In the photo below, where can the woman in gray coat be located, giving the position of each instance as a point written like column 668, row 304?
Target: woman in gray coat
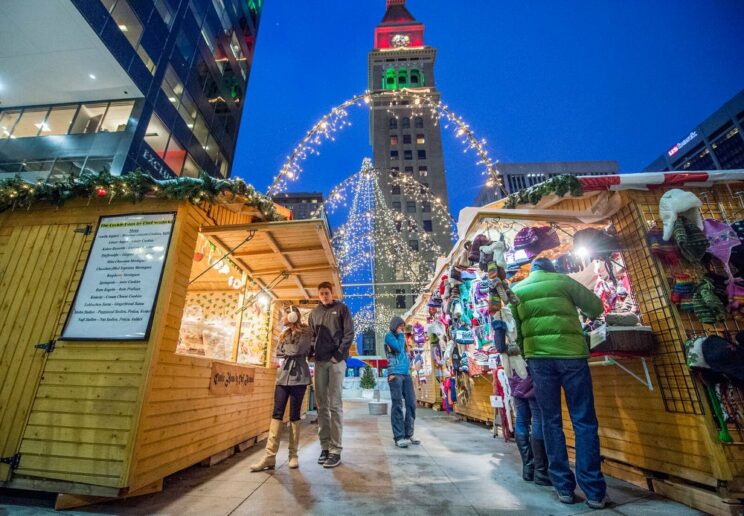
column 292, row 379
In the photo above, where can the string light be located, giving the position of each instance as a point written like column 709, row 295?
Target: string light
column 425, row 103
column 372, row 239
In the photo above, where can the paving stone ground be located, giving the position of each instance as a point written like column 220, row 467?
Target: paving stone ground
column 458, row 469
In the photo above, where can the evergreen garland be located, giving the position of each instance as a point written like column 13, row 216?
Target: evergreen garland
column 134, row 186
column 559, row 185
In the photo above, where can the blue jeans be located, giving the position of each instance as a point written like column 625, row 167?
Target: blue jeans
column 401, row 390
column 548, row 376
column 528, row 411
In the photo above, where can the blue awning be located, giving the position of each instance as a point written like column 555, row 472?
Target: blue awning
column 354, row 362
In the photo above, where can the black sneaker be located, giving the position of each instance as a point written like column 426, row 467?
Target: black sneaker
column 334, row 459
column 323, row 457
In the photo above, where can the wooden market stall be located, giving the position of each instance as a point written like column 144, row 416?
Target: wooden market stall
column 137, row 337
column 657, row 427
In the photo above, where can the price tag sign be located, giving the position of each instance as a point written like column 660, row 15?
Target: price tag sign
column 497, row 402
column 493, row 361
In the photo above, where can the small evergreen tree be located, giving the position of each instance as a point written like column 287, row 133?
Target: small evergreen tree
column 368, row 379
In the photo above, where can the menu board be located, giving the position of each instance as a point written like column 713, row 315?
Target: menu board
column 120, row 283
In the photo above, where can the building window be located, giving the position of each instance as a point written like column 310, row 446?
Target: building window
column 30, row 123
column 190, row 168
column 117, row 116
column 59, row 121
column 420, row 139
column 394, row 170
column 393, row 123
column 400, row 298
column 421, row 154
column 419, row 122
column 393, row 139
column 396, row 190
column 424, row 188
column 428, row 226
column 413, row 244
column 411, row 206
column 406, row 139
column 402, row 78
column 406, row 123
column 130, row 25
column 393, row 154
column 415, row 78
column 8, row 121
column 368, row 343
column 409, row 170
column 88, row 119
column 423, row 171
column 167, row 148
column 426, row 207
column 407, row 154
column 165, row 11
column 397, row 206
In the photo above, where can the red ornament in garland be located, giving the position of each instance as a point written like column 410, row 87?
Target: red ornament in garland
column 101, row 191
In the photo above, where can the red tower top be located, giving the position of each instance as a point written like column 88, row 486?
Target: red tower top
column 398, row 29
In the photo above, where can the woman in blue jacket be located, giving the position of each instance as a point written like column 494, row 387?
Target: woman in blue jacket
column 401, row 385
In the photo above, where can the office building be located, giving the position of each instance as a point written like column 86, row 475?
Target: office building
column 304, row 205
column 517, row 176
column 717, row 143
column 405, row 140
column 92, row 85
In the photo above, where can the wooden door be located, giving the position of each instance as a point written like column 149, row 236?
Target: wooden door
column 37, row 264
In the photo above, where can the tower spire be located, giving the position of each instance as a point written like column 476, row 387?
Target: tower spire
column 391, row 3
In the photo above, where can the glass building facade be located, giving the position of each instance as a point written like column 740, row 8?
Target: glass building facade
column 122, row 84
column 716, row 144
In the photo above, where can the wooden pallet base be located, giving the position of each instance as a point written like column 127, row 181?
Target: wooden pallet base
column 72, row 501
column 218, row 457
column 701, row 499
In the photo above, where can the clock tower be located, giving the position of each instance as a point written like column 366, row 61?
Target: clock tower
column 405, row 140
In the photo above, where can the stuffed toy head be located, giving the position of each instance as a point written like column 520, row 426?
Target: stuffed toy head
column 678, row 203
column 722, row 240
column 494, row 253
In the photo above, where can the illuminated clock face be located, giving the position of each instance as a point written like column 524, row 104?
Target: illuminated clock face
column 401, row 40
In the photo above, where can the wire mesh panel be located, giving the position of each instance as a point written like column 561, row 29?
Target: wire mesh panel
column 651, row 291
column 722, row 202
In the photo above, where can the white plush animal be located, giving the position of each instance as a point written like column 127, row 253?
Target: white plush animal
column 498, row 250
column 677, row 203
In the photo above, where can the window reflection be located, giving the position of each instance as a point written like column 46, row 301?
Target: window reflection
column 8, row 120
column 30, row 123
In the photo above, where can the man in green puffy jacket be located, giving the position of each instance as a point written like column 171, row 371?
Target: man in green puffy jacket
column 551, row 337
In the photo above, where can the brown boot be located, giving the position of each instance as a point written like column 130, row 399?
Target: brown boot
column 272, row 447
column 294, row 444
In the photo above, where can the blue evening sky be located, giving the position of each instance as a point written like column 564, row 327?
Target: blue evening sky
column 541, row 80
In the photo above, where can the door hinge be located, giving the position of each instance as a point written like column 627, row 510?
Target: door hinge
column 86, row 230
column 47, row 346
column 12, row 461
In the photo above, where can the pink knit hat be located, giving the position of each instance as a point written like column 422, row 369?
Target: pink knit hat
column 722, row 239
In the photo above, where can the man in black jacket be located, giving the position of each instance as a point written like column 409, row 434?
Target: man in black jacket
column 334, row 333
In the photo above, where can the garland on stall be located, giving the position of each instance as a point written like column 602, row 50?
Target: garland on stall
column 134, row 186
column 559, row 185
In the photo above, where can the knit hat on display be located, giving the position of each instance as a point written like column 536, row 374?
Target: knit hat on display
column 678, row 203
column 707, row 305
column 722, row 240
column 666, row 251
column 691, row 240
column 683, row 291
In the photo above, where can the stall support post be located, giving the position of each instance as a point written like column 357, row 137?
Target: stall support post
column 239, row 326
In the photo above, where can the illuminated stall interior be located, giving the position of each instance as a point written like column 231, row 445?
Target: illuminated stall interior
column 242, row 276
